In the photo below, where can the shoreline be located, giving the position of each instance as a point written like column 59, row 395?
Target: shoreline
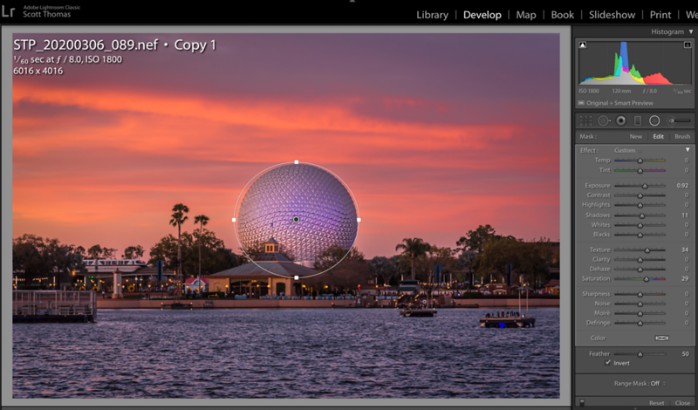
column 510, row 303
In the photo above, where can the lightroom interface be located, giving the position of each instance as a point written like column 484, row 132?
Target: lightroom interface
column 432, row 207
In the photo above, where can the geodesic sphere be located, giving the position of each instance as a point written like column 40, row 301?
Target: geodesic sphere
column 305, row 208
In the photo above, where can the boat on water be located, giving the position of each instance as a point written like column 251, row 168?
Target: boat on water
column 418, row 312
column 176, row 306
column 509, row 319
column 412, row 303
column 502, row 322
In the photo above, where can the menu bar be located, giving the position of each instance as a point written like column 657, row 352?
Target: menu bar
column 324, row 12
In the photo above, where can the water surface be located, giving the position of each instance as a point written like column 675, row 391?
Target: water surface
column 286, row 353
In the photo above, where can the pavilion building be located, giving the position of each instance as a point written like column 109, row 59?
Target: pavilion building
column 271, row 273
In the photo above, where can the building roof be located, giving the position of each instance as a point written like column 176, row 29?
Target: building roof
column 272, row 257
column 552, row 283
column 265, row 268
column 408, row 286
column 194, row 279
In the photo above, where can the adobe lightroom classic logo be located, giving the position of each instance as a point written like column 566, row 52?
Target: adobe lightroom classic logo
column 8, row 12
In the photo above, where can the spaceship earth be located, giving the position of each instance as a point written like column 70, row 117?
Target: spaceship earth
column 304, row 207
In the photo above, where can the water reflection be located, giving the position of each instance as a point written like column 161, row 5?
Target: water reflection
column 298, row 353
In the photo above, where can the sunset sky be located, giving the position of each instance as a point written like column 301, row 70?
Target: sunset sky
column 434, row 134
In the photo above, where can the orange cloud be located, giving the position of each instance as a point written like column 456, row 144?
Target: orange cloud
column 112, row 178
column 268, row 115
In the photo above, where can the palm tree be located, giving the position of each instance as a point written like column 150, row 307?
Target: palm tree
column 413, row 248
column 178, row 218
column 202, row 220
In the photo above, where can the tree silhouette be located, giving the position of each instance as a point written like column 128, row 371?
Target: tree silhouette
column 413, row 248
column 179, row 212
column 133, row 252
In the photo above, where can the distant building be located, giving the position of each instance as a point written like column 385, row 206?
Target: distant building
column 145, row 277
column 552, row 287
column 194, row 285
column 499, row 289
column 271, row 274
